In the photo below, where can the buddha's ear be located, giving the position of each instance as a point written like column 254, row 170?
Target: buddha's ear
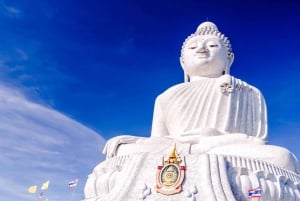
column 181, row 62
column 186, row 76
column 230, row 61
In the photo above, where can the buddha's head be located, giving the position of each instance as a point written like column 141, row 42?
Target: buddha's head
column 206, row 53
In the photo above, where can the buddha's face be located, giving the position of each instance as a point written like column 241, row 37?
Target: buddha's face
column 205, row 56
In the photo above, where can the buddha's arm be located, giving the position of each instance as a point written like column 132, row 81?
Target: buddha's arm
column 253, row 100
column 209, row 138
column 191, row 139
column 159, row 128
column 111, row 146
column 207, row 143
column 195, row 135
column 262, row 131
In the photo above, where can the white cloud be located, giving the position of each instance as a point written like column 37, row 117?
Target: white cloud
column 22, row 54
column 37, row 144
column 10, row 11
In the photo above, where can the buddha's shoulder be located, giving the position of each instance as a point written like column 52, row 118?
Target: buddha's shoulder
column 245, row 86
column 182, row 89
column 212, row 83
column 175, row 88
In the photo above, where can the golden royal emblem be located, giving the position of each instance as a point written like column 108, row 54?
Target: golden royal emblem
column 170, row 174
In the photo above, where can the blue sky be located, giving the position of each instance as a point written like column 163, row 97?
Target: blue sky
column 39, row 144
column 102, row 63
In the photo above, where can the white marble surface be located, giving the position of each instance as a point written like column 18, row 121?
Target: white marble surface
column 208, row 177
column 218, row 123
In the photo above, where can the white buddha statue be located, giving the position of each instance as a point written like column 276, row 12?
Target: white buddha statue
column 217, row 122
column 212, row 111
column 210, row 102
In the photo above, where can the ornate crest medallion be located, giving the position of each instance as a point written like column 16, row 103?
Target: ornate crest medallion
column 170, row 174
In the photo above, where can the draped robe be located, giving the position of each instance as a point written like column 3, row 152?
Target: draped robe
column 191, row 106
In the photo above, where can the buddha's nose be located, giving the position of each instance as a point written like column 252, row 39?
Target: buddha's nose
column 202, row 49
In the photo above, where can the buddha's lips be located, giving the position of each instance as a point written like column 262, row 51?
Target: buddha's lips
column 201, row 55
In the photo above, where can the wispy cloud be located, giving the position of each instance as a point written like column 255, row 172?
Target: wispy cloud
column 9, row 10
column 22, row 54
column 32, row 70
column 40, row 143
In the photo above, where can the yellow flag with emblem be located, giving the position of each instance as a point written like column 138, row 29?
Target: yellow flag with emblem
column 32, row 189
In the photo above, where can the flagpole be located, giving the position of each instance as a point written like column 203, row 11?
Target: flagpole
column 73, row 186
column 72, row 194
column 41, row 195
column 44, row 189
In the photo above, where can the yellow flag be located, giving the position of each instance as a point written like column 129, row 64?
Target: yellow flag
column 45, row 185
column 32, row 189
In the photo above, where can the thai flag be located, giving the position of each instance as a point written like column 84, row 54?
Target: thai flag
column 73, row 183
column 41, row 195
column 254, row 193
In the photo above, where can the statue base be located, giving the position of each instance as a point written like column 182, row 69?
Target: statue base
column 139, row 176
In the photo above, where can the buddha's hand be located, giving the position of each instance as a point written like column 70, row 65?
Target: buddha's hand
column 111, row 146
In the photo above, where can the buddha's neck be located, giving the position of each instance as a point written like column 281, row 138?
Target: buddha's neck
column 196, row 78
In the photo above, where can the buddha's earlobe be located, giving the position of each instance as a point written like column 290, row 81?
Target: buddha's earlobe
column 230, row 61
column 186, row 77
column 181, row 62
column 230, row 58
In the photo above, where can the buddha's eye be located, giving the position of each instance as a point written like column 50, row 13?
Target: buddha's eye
column 213, row 45
column 192, row 46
